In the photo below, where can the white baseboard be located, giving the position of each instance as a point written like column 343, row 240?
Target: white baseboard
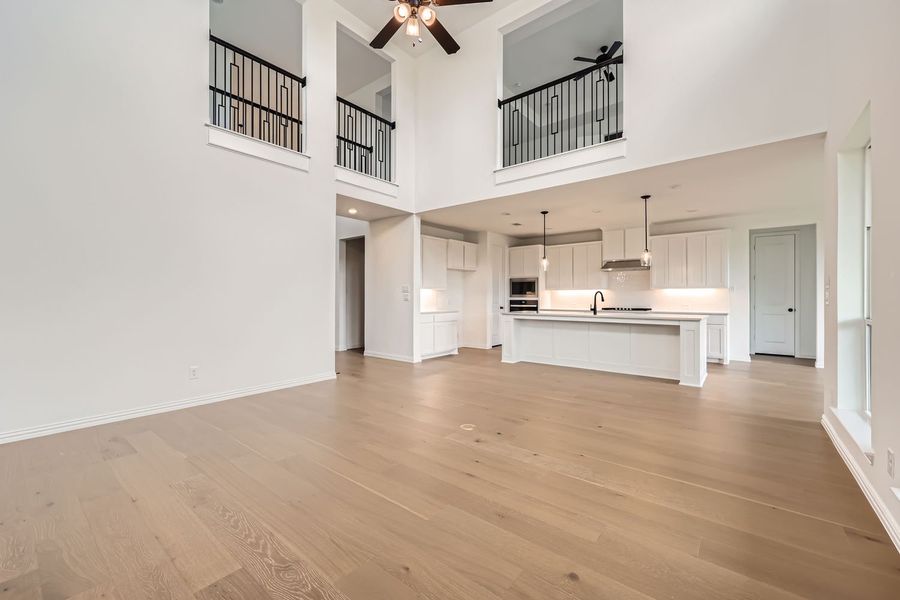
column 744, row 358
column 386, row 356
column 16, row 435
column 881, row 510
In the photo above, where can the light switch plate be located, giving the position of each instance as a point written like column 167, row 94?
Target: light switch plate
column 890, row 463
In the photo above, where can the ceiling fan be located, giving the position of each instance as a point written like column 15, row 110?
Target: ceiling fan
column 412, row 12
column 606, row 53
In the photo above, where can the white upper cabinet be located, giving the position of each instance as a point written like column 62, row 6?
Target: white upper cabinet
column 634, row 242
column 620, row 244
column 470, row 256
column 677, row 261
column 574, row 267
column 717, row 259
column 614, row 244
column 690, row 260
column 659, row 266
column 462, row 256
column 565, row 268
column 434, row 263
column 524, row 261
column 696, row 261
column 456, row 254
column 551, row 277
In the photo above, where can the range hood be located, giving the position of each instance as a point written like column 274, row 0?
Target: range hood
column 627, row 264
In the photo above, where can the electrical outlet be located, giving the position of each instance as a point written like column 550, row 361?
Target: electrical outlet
column 890, row 463
column 194, row 372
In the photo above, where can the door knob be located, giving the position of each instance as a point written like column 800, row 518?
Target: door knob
column 790, row 310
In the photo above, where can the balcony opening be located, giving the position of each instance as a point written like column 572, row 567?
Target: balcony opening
column 255, row 64
column 365, row 125
column 563, row 81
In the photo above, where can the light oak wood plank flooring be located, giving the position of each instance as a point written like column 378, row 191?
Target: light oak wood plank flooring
column 571, row 485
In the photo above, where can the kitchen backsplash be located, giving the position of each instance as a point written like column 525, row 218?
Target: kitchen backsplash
column 632, row 288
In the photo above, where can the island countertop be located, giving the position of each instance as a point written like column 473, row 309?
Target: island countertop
column 609, row 316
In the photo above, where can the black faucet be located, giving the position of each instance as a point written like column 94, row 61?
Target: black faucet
column 594, row 305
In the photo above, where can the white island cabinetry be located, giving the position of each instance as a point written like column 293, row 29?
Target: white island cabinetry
column 671, row 346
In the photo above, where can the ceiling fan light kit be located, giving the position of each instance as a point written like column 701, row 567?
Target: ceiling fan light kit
column 413, row 12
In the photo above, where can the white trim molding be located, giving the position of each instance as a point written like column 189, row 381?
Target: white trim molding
column 243, row 144
column 386, row 356
column 881, row 510
column 564, row 161
column 365, row 187
column 7, row 437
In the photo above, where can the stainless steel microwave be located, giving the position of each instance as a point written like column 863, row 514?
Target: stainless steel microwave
column 523, row 287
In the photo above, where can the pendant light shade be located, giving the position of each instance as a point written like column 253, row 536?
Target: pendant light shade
column 544, row 262
column 646, row 257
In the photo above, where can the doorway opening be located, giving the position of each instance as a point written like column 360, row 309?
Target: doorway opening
column 351, row 313
column 783, row 303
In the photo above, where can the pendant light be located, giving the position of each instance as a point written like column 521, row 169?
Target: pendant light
column 544, row 262
column 646, row 257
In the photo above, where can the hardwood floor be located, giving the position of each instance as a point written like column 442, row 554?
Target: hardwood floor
column 572, row 485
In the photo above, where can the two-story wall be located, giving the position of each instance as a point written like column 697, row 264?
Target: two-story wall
column 144, row 268
column 700, row 78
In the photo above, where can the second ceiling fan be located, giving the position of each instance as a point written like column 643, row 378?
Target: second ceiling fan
column 414, row 12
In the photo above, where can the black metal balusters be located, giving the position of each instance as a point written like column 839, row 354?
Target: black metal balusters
column 364, row 141
column 250, row 95
column 575, row 111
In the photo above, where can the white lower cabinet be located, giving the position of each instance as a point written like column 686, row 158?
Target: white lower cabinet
column 717, row 338
column 438, row 334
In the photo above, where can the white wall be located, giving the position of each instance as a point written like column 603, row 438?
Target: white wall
column 130, row 249
column 392, row 263
column 869, row 28
column 702, row 77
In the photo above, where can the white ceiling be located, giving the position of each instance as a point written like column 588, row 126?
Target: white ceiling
column 456, row 19
column 543, row 50
column 753, row 180
column 365, row 211
column 357, row 64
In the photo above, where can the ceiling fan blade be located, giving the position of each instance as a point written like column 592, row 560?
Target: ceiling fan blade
column 455, row 2
column 583, row 59
column 444, row 39
column 386, row 33
column 612, row 51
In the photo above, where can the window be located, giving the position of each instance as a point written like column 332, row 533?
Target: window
column 867, row 273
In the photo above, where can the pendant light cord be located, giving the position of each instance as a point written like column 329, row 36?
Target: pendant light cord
column 646, row 197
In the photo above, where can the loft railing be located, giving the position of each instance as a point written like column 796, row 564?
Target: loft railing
column 364, row 141
column 575, row 111
column 249, row 95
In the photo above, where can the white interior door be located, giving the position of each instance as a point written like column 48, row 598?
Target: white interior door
column 498, row 289
column 773, row 306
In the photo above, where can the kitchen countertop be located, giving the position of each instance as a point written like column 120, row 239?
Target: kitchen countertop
column 609, row 316
column 646, row 312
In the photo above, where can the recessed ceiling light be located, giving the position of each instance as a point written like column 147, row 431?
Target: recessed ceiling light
column 692, row 210
column 517, row 224
column 674, row 186
column 505, row 214
column 597, row 210
column 352, row 211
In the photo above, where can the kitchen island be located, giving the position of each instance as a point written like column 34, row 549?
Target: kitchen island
column 668, row 346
